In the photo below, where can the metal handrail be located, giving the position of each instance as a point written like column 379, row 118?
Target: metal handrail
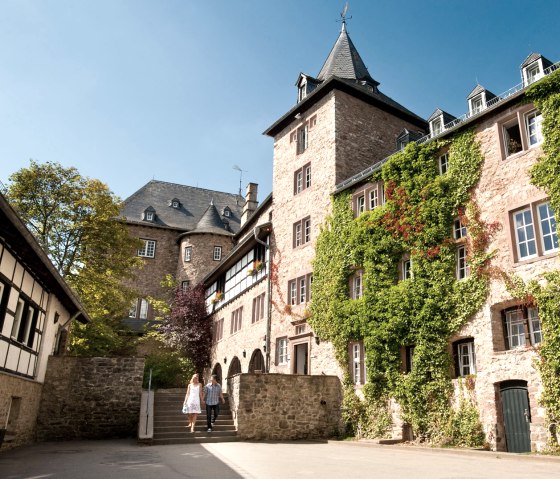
column 148, row 400
column 494, row 101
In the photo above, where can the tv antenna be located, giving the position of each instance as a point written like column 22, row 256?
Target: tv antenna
column 343, row 16
column 238, row 168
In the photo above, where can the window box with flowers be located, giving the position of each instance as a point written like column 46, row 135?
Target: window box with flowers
column 217, row 297
column 255, row 268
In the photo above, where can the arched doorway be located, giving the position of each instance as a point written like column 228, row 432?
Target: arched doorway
column 218, row 372
column 257, row 362
column 234, row 367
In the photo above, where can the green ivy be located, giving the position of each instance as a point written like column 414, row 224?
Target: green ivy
column 545, row 293
column 425, row 311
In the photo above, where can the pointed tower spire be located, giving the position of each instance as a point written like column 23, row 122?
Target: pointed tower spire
column 344, row 61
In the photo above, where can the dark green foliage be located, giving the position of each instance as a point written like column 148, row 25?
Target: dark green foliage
column 169, row 369
column 424, row 311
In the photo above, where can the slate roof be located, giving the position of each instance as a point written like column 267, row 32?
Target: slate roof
column 211, row 222
column 533, row 57
column 344, row 61
column 447, row 117
column 193, row 204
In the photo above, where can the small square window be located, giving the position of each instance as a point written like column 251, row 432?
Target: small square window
column 148, row 250
column 217, row 253
column 188, row 253
column 459, row 229
column 149, row 216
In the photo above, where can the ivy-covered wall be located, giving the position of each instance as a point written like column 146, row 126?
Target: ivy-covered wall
column 428, row 310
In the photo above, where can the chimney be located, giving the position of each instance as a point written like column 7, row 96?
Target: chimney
column 250, row 202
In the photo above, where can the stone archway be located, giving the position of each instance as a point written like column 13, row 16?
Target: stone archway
column 218, row 372
column 234, row 367
column 257, row 362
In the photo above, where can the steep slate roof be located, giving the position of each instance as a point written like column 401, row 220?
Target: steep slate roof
column 447, row 117
column 193, row 205
column 533, row 57
column 479, row 89
column 211, row 222
column 344, row 61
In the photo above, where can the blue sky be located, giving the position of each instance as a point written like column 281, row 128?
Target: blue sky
column 181, row 90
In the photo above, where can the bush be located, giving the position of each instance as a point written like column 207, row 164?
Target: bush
column 169, row 370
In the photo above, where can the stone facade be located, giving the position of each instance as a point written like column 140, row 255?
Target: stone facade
column 90, row 398
column 279, row 407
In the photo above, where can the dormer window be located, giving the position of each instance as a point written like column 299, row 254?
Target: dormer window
column 174, row 203
column 436, row 126
column 302, row 91
column 533, row 68
column 533, row 73
column 149, row 214
column 226, row 212
column 476, row 104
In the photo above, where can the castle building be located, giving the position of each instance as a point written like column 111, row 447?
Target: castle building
column 333, row 143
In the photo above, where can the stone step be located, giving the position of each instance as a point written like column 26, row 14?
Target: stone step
column 197, row 433
column 198, row 427
column 194, row 440
column 183, row 420
column 177, row 416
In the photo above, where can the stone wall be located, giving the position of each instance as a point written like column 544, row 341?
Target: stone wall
column 90, row 398
column 285, row 407
column 19, row 399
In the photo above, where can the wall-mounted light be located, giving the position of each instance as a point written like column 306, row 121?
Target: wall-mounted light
column 317, row 340
column 225, row 360
column 244, row 353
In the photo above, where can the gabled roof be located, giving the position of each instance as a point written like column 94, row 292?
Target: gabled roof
column 447, row 117
column 344, row 61
column 480, row 89
column 533, row 57
column 193, row 205
column 14, row 232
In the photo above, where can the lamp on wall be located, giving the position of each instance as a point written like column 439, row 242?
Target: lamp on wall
column 317, row 340
column 244, row 353
column 225, row 360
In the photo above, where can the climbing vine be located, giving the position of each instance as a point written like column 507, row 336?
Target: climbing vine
column 424, row 312
column 544, row 292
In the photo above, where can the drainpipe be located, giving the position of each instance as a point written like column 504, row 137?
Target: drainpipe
column 269, row 296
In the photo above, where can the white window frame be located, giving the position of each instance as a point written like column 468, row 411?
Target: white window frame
column 302, row 289
column 149, row 249
column 525, row 227
column 406, row 268
column 17, row 318
column 297, row 233
column 547, row 222
column 293, row 292
column 175, row 204
column 462, row 270
column 149, row 216
column 302, row 138
column 306, row 230
column 534, row 120
column 356, row 363
column 236, row 320
column 133, row 311
column 188, row 254
column 185, row 285
column 436, row 126
column 360, row 204
column 466, row 358
column 535, row 326
column 282, row 350
column 476, row 104
column 443, row 164
column 357, row 286
column 143, row 310
column 373, row 199
column 308, row 176
column 514, row 321
column 507, row 126
column 217, row 253
column 533, row 72
column 299, row 181
column 383, row 198
column 459, row 229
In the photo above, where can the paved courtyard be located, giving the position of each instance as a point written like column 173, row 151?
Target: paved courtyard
column 125, row 459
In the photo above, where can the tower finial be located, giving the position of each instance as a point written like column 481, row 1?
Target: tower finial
column 343, row 17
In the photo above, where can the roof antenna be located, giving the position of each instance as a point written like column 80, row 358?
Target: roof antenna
column 343, row 17
column 237, row 168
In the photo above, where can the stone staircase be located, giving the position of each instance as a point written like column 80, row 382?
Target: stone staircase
column 170, row 425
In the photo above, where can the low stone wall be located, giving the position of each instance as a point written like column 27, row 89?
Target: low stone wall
column 285, row 407
column 90, row 398
column 28, row 394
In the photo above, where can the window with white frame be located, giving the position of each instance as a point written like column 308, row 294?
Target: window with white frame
column 512, row 138
column 549, row 236
column 465, row 360
column 373, row 199
column 462, row 270
column 188, row 254
column 533, row 73
column 436, row 126
column 302, row 178
column 148, row 250
column 302, row 232
column 25, row 320
column 299, row 290
column 175, row 204
column 383, row 198
column 217, row 253
column 522, row 327
column 477, row 104
column 149, row 216
column 406, row 268
column 459, row 229
column 282, row 351
column 357, row 362
column 443, row 164
column 356, row 286
column 360, row 204
column 185, row 285
column 236, row 319
column 143, row 309
column 408, row 358
column 133, row 311
column 307, row 170
column 525, row 234
column 533, row 123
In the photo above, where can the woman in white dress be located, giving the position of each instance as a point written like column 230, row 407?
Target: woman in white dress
column 193, row 400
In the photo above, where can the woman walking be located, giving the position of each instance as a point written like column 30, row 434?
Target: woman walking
column 193, row 400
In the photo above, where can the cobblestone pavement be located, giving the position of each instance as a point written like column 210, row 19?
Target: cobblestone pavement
column 125, row 459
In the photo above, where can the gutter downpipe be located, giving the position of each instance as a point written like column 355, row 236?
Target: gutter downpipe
column 269, row 296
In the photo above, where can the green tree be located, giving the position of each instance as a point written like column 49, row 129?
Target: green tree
column 75, row 220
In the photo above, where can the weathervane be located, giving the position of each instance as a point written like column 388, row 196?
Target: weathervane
column 237, row 168
column 343, row 16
